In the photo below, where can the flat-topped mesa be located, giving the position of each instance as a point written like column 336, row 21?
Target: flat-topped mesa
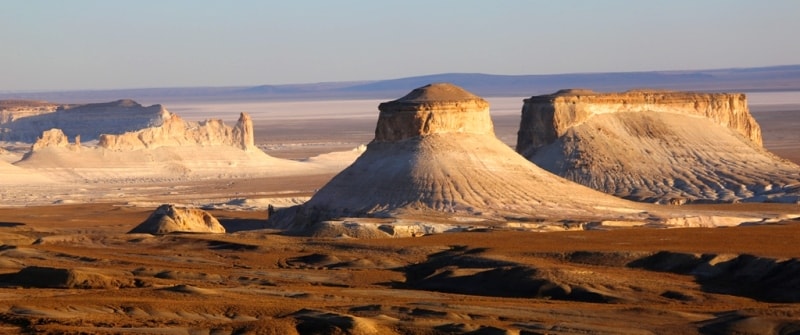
column 174, row 131
column 432, row 109
column 87, row 120
column 547, row 117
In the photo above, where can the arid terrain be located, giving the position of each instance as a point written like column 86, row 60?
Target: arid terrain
column 67, row 264
column 629, row 281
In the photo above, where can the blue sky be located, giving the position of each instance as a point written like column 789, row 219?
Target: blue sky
column 82, row 44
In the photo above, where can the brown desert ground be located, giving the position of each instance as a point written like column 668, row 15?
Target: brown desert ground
column 73, row 269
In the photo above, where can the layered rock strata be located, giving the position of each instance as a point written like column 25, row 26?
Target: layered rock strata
column 656, row 146
column 547, row 117
column 435, row 155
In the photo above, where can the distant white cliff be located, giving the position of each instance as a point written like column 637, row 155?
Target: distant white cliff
column 24, row 121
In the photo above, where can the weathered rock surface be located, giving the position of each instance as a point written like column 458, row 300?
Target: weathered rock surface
column 547, row 117
column 176, row 132
column 170, row 219
column 437, row 109
column 174, row 150
column 664, row 147
column 435, row 155
column 55, row 138
column 25, row 124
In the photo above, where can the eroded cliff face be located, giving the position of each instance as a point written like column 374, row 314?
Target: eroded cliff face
column 25, row 124
column 436, row 108
column 664, row 147
column 55, row 138
column 177, row 132
column 545, row 118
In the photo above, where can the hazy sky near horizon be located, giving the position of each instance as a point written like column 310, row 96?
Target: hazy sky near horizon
column 98, row 44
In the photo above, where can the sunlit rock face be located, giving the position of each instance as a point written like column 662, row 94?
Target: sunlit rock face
column 168, row 219
column 174, row 131
column 436, row 108
column 547, row 117
column 656, row 146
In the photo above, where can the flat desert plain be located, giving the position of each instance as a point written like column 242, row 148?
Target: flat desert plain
column 73, row 268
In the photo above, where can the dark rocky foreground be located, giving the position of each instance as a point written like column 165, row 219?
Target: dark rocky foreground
column 89, row 276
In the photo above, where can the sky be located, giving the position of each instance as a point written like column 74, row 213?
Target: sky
column 101, row 44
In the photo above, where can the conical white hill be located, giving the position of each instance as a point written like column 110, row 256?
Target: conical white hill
column 435, row 154
column 657, row 146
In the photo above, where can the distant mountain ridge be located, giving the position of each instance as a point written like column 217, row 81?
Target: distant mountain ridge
column 771, row 78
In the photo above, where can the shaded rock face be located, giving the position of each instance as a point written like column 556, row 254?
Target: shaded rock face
column 441, row 159
column 435, row 108
column 88, row 120
column 663, row 147
column 170, row 219
column 176, row 132
column 80, row 278
column 545, row 118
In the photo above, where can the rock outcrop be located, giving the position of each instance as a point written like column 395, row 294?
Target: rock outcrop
column 87, row 120
column 170, row 219
column 55, row 138
column 176, row 132
column 175, row 150
column 656, row 146
column 435, row 156
column 436, row 109
column 545, row 118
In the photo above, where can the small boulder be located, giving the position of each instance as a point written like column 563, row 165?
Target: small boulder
column 170, row 219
